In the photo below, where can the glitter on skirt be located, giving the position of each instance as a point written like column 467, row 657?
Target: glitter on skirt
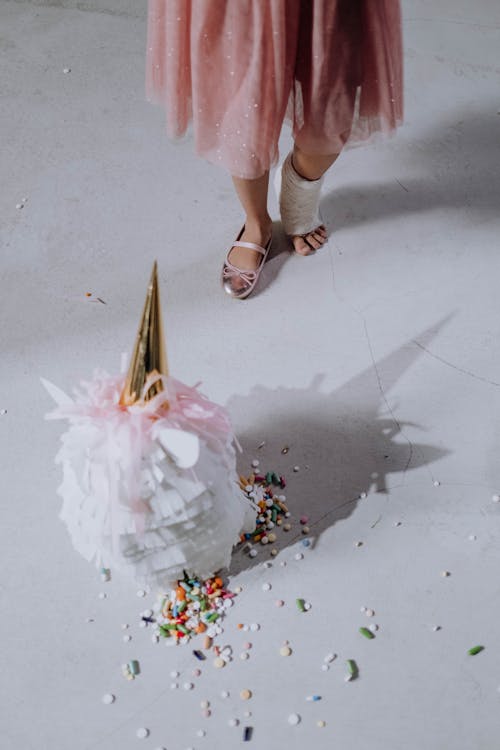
column 236, row 69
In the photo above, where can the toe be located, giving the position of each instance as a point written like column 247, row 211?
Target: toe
column 301, row 246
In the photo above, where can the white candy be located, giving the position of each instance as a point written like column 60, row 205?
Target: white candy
column 472, row 537
column 299, row 556
column 141, row 593
column 254, row 626
column 125, row 626
column 66, row 70
column 369, row 612
column 373, row 627
column 224, row 694
column 436, row 483
column 147, row 613
column 102, row 595
column 244, row 655
column 127, row 638
column 200, row 733
column 307, row 606
column 496, row 498
column 142, row 733
column 108, row 698
column 252, row 553
column 329, row 658
column 188, row 686
column 233, row 722
column 266, row 587
column 255, row 463
column 296, row 468
column 363, row 495
column 267, row 564
column 174, row 674
column 294, row 719
column 325, row 667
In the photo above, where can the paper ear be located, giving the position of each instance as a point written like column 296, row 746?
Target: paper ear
column 183, row 447
column 59, row 396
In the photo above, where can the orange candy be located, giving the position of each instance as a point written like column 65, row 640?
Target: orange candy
column 180, row 593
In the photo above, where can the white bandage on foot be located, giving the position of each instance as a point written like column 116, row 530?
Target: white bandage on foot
column 299, row 201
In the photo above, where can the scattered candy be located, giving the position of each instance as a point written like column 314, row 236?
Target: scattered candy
column 188, row 686
column 299, row 556
column 363, row 495
column 325, row 667
column 285, row 651
column 304, row 519
column 200, row 733
column 247, row 734
column 127, row 638
column 279, row 602
column 285, row 450
column 142, row 733
column 369, row 612
column 105, row 575
column 266, row 587
column 329, row 658
column 472, row 537
column 233, row 722
column 445, row 573
column 141, row 593
column 294, row 719
column 321, row 724
column 313, row 698
column 296, row 468
column 300, row 605
column 373, row 627
column 224, row 694
column 199, row 655
column 219, row 663
column 66, row 70
column 244, row 655
column 108, row 698
column 475, row 650
column 436, row 628
column 496, row 498
column 353, row 669
column 436, row 483
column 245, row 694
column 254, row 627
column 255, row 463
column 367, row 633
column 102, row 595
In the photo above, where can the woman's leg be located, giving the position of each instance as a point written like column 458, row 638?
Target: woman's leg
column 310, row 167
column 253, row 198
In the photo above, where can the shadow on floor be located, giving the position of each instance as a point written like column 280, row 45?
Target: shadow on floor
column 345, row 443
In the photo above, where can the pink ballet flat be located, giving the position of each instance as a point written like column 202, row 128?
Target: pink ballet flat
column 232, row 276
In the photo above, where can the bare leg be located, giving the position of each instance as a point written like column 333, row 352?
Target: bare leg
column 311, row 167
column 258, row 223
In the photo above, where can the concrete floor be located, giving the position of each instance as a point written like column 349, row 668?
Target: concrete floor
column 377, row 361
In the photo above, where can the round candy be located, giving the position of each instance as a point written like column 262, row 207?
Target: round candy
column 174, row 674
column 245, row 694
column 244, row 655
column 496, row 498
column 205, row 704
column 321, row 723
column 141, row 593
column 127, row 638
column 254, row 626
column 224, row 694
column 436, row 483
column 142, row 733
column 252, row 553
column 294, row 719
column 233, row 722
column 285, row 651
column 219, row 663
column 108, row 698
column 299, row 556
column 200, row 733
column 266, row 587
column 279, row 603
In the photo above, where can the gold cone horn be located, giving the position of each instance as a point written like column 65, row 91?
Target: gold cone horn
column 149, row 352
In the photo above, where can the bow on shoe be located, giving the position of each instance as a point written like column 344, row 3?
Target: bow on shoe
column 231, row 272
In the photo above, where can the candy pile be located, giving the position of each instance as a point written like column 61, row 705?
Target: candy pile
column 271, row 509
column 193, row 607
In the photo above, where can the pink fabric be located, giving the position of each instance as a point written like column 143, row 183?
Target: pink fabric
column 238, row 68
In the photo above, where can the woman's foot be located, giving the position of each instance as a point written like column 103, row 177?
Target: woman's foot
column 310, row 242
column 246, row 259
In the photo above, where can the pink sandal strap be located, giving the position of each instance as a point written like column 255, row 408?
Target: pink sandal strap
column 250, row 245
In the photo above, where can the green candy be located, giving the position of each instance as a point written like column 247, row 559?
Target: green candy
column 367, row 633
column 475, row 650
column 300, row 605
column 352, row 667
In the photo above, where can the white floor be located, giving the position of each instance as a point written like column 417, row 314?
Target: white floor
column 377, row 361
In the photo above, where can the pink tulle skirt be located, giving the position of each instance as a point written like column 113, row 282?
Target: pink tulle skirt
column 238, row 68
